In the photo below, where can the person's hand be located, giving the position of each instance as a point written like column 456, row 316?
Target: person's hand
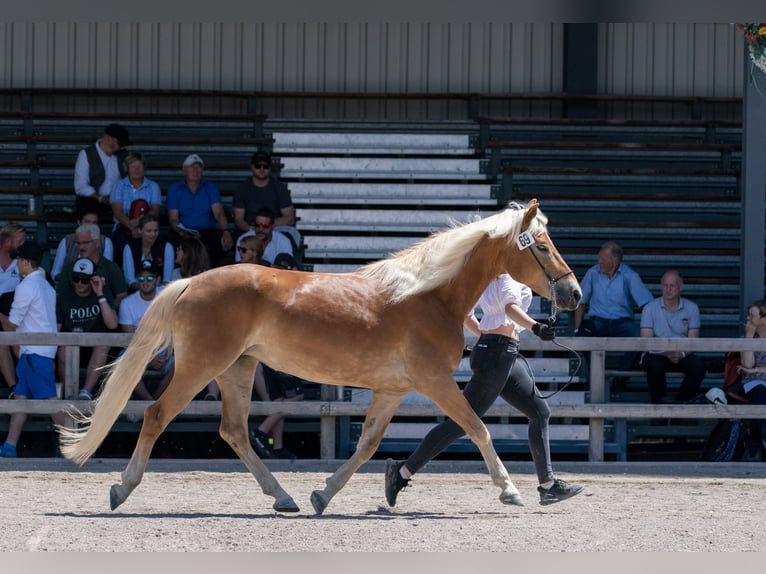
column 746, row 370
column 749, row 329
column 97, row 284
column 676, row 356
column 545, row 332
column 227, row 241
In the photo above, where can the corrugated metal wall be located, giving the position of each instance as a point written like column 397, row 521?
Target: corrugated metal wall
column 647, row 59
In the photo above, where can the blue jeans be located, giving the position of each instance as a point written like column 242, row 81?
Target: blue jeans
column 623, row 327
column 693, row 367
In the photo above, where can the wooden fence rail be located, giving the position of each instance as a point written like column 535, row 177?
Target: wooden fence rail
column 331, row 406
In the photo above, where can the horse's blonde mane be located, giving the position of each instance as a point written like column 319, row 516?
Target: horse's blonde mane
column 437, row 259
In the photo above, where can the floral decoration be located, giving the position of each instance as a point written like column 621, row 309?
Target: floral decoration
column 755, row 39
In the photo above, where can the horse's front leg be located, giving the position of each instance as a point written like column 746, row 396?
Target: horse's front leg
column 450, row 400
column 381, row 411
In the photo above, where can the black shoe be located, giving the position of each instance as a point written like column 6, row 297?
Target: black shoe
column 261, row 443
column 394, row 480
column 283, row 453
column 558, row 492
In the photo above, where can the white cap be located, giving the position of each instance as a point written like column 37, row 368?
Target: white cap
column 191, row 159
column 716, row 396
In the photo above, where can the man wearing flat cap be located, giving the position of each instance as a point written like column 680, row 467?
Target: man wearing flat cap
column 33, row 311
column 99, row 166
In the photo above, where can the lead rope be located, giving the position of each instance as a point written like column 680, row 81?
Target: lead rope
column 551, row 320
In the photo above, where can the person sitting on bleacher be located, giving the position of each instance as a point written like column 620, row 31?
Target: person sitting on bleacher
column 86, row 306
column 99, row 166
column 86, row 211
column 134, row 196
column 148, row 246
column 12, row 236
column 194, row 208
column 676, row 317
column 148, row 278
column 275, row 241
column 250, row 250
column 33, row 311
column 259, row 191
column 610, row 289
column 496, row 370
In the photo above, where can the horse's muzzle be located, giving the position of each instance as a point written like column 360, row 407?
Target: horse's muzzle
column 568, row 294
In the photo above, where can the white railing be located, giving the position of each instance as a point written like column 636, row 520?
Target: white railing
column 329, row 407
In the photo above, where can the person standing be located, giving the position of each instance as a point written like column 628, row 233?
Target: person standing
column 676, row 317
column 99, row 166
column 33, row 311
column 496, row 370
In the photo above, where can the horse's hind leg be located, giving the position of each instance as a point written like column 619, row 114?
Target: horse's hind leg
column 381, row 411
column 236, row 385
column 157, row 416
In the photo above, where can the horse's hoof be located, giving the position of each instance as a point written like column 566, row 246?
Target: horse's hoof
column 286, row 505
column 116, row 496
column 512, row 498
column 318, row 501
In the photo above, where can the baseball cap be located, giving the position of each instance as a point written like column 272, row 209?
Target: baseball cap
column 285, row 260
column 119, row 133
column 83, row 266
column 260, row 155
column 31, row 251
column 193, row 158
column 147, row 266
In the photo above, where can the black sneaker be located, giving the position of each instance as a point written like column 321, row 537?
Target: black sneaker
column 261, row 443
column 394, row 480
column 558, row 492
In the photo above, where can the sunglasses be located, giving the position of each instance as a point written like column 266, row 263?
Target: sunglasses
column 81, row 279
column 261, row 166
column 142, row 278
column 243, row 249
column 262, row 225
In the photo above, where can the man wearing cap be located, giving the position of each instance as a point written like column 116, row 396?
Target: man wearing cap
column 99, row 166
column 88, row 237
column 33, row 311
column 194, row 206
column 84, row 306
column 260, row 191
column 149, row 278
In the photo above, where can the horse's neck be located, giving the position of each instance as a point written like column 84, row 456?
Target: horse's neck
column 481, row 267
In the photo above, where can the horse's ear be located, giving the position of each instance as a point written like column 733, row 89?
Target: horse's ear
column 531, row 213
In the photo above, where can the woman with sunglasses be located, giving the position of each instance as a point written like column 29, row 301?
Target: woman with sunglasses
column 250, row 249
column 148, row 246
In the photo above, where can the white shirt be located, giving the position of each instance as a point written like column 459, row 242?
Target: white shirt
column 129, row 264
column 34, row 311
column 496, row 296
column 279, row 244
column 9, row 277
column 133, row 307
column 82, row 184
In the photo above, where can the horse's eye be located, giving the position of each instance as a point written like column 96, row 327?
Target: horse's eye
column 541, row 247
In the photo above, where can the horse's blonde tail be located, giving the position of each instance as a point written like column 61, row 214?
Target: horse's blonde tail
column 154, row 334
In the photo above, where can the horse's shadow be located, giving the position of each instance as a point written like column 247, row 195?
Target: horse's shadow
column 380, row 514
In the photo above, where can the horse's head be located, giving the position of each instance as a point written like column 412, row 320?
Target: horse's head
column 535, row 261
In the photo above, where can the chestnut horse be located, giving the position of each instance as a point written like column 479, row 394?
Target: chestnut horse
column 394, row 326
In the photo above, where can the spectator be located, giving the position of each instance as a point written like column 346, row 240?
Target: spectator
column 753, row 369
column 274, row 241
column 194, row 207
column 132, row 310
column 191, row 258
column 33, row 311
column 86, row 306
column 672, row 316
column 496, row 370
column 86, row 209
column 12, row 236
column 133, row 196
column 250, row 249
column 270, row 385
column 88, row 237
column 148, row 246
column 610, row 291
column 99, row 166
column 259, row 191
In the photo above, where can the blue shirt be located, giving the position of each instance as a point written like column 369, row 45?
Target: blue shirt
column 194, row 209
column 126, row 194
column 613, row 298
column 671, row 324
